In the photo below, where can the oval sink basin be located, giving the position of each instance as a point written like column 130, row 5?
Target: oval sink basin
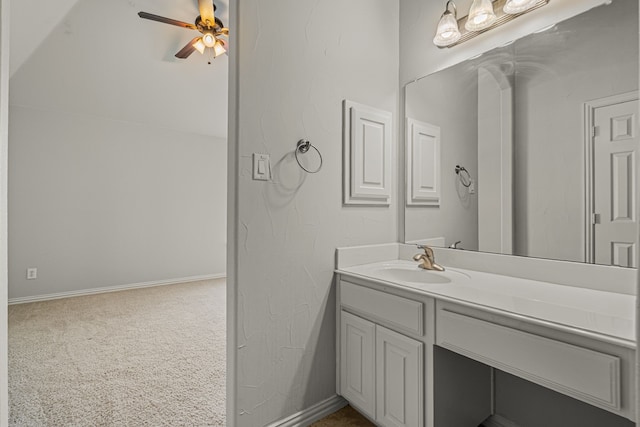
column 416, row 275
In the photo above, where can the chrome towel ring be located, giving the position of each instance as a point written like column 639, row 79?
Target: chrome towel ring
column 303, row 147
column 464, row 176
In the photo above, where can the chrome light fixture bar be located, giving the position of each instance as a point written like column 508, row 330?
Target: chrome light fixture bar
column 514, row 9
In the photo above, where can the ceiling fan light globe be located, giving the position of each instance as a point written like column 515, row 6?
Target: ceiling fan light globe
column 209, row 40
column 199, row 45
column 219, row 48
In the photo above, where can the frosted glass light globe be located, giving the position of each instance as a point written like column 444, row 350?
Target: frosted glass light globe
column 481, row 15
column 447, row 32
column 513, row 7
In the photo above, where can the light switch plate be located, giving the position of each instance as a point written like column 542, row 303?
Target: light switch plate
column 261, row 167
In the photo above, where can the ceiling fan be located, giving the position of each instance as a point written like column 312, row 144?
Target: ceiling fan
column 214, row 33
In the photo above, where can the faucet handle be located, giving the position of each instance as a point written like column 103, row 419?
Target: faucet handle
column 455, row 245
column 428, row 259
column 427, row 250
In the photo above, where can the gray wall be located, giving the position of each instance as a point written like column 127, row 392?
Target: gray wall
column 96, row 202
column 297, row 61
column 117, row 150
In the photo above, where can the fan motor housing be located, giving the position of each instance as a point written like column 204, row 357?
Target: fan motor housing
column 203, row 27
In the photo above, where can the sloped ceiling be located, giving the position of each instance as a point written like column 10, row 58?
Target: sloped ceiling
column 101, row 59
column 27, row 15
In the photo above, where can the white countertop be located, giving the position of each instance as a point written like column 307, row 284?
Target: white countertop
column 607, row 316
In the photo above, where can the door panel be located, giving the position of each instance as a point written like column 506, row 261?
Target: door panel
column 357, row 359
column 399, row 389
column 615, row 168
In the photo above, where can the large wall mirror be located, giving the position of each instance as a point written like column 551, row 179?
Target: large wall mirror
column 546, row 129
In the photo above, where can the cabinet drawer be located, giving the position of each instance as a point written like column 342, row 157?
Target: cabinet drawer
column 402, row 313
column 584, row 374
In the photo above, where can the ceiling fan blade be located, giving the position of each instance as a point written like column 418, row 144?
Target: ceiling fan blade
column 206, row 11
column 188, row 49
column 164, row 20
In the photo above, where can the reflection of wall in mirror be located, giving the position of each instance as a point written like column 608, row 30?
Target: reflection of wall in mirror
column 441, row 99
column 495, row 159
column 591, row 56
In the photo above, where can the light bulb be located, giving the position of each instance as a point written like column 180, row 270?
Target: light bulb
column 481, row 15
column 447, row 32
column 209, row 40
column 513, row 7
column 199, row 45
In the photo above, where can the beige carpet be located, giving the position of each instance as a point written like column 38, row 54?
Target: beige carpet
column 147, row 357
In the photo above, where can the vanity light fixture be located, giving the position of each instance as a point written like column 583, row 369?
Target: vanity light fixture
column 483, row 15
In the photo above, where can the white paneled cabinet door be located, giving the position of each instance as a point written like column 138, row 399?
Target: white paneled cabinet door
column 357, row 362
column 399, row 373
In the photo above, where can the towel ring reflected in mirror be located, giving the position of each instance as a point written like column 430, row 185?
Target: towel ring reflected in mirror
column 464, row 176
column 302, row 147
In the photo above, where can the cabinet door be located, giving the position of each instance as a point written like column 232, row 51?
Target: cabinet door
column 357, row 362
column 399, row 373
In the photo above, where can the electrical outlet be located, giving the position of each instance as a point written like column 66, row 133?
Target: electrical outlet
column 32, row 273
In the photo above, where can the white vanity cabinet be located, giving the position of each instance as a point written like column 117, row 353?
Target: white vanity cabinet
column 587, row 369
column 381, row 369
column 408, row 355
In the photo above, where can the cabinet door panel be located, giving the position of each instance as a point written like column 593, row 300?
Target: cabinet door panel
column 399, row 373
column 357, row 362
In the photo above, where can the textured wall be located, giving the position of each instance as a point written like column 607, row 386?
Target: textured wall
column 96, row 202
column 297, row 61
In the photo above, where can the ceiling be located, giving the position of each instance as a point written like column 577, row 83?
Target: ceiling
column 98, row 57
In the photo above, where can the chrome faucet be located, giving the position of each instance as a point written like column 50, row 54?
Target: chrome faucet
column 427, row 259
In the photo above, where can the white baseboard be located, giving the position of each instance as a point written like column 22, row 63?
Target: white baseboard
column 498, row 421
column 93, row 291
column 312, row 414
